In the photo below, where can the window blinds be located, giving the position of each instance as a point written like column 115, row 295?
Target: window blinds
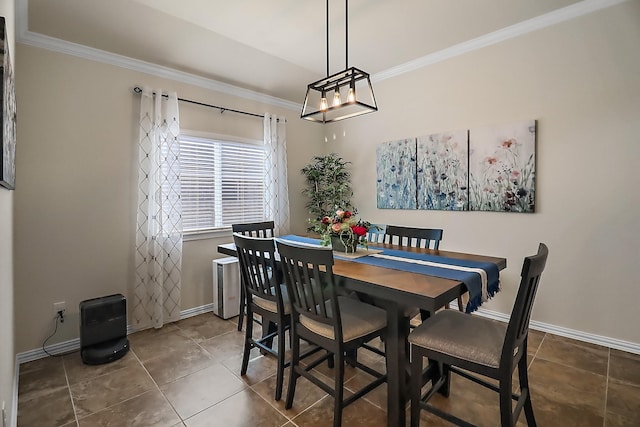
column 222, row 183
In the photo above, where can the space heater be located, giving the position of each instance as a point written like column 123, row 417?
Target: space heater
column 226, row 287
column 103, row 329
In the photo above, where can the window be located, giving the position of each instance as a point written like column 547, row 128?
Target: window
column 222, row 183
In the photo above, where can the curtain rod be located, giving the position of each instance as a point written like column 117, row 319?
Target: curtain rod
column 138, row 90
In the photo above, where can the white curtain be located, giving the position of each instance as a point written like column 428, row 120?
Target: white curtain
column 158, row 257
column 276, row 187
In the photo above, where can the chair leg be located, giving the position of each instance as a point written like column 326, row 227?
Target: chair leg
column 248, row 337
column 242, row 308
column 293, row 372
column 416, row 386
column 460, row 306
column 523, row 376
column 330, row 361
column 444, row 371
column 338, row 389
column 506, row 413
column 280, row 373
column 352, row 357
column 268, row 328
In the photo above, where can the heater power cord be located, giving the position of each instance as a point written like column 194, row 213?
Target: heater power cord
column 59, row 316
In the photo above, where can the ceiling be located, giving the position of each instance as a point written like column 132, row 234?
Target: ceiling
column 276, row 47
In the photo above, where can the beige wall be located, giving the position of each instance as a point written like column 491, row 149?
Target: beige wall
column 7, row 353
column 75, row 206
column 581, row 81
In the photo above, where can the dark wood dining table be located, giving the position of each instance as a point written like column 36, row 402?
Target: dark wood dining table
column 395, row 290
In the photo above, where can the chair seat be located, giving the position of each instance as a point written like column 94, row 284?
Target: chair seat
column 462, row 336
column 271, row 305
column 358, row 319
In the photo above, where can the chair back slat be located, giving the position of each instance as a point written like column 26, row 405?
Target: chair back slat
column 413, row 237
column 308, row 274
column 258, row 267
column 518, row 327
column 376, row 233
column 264, row 229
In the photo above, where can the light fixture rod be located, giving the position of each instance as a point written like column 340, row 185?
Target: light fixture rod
column 346, row 34
column 327, row 38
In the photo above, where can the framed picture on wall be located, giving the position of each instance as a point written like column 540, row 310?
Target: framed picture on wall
column 8, row 107
column 502, row 168
column 443, row 171
column 396, row 174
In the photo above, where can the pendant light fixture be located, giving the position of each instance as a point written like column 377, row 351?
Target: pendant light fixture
column 350, row 90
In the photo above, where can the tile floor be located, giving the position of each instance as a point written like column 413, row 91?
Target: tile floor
column 187, row 374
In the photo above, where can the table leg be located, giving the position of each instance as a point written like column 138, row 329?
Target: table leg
column 396, row 341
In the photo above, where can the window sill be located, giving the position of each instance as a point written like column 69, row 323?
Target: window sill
column 208, row 234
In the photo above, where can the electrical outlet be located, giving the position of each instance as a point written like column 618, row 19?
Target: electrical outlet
column 59, row 306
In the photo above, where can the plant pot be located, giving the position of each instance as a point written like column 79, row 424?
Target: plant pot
column 338, row 245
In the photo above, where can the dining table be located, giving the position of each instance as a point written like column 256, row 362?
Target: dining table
column 395, row 288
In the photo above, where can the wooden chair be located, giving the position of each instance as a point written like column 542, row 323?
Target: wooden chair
column 254, row 229
column 418, row 238
column 376, row 233
column 453, row 341
column 414, row 237
column 264, row 296
column 339, row 324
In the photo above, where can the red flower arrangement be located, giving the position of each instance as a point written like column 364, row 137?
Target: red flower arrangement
column 345, row 227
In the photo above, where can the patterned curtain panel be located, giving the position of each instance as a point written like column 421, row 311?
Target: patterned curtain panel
column 158, row 257
column 276, row 187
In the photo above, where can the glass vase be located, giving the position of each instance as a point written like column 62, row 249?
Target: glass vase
column 338, row 245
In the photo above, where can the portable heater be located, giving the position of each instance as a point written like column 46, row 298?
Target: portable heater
column 226, row 287
column 103, row 329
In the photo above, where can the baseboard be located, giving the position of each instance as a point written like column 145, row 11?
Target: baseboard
column 614, row 343
column 74, row 344
column 190, row 312
column 13, row 422
column 631, row 347
column 628, row 346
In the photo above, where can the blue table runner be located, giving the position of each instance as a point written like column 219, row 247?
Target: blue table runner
column 472, row 280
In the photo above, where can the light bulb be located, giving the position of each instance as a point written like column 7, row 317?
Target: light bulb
column 323, row 102
column 351, row 97
column 336, row 98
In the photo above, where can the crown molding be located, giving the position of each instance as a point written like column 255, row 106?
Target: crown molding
column 57, row 45
column 548, row 19
column 23, row 35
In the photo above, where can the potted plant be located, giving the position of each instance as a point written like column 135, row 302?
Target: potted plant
column 328, row 185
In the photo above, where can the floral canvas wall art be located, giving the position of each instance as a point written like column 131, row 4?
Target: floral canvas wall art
column 396, row 174
column 443, row 171
column 502, row 167
column 8, row 109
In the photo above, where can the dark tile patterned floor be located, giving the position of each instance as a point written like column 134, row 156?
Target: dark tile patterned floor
column 187, row 374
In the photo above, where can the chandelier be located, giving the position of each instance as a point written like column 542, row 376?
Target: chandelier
column 342, row 95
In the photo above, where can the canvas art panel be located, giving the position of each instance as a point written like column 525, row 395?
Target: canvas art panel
column 443, row 171
column 396, row 174
column 8, row 106
column 502, row 167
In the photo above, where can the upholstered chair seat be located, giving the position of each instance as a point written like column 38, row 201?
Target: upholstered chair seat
column 358, row 319
column 477, row 339
column 272, row 306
